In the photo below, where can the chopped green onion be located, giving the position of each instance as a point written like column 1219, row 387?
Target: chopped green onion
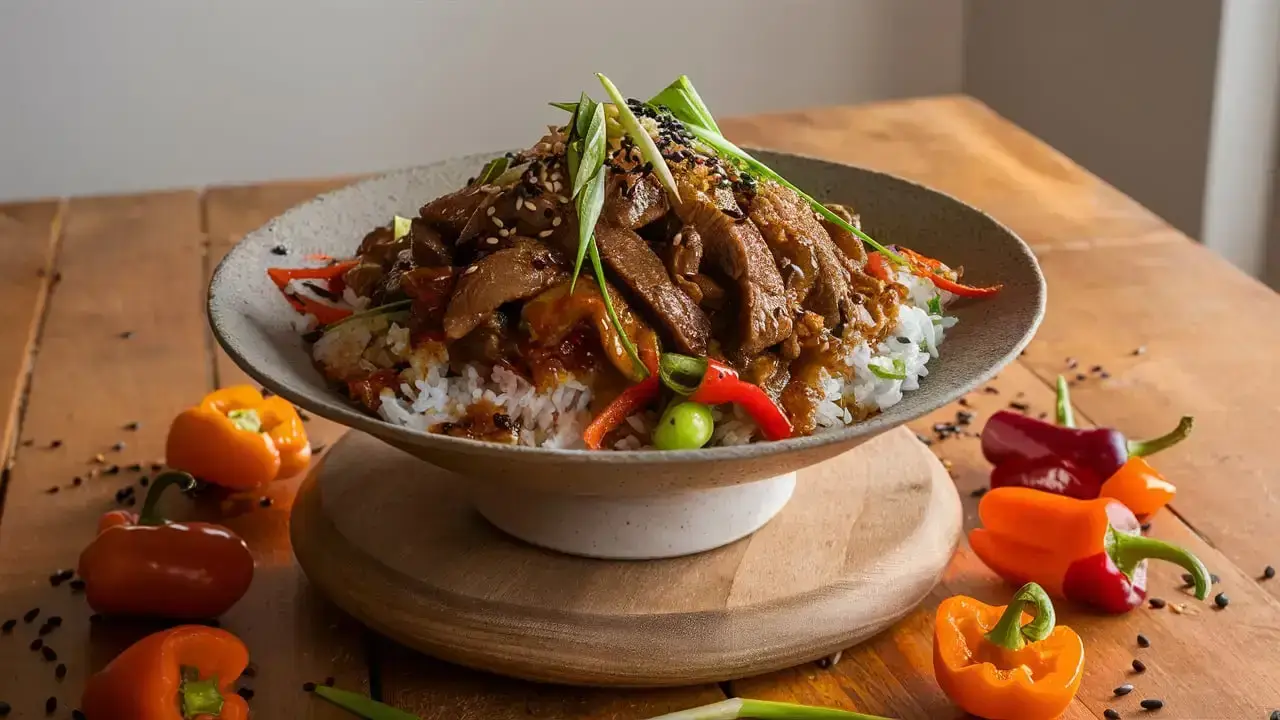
column 593, row 149
column 361, row 706
column 681, row 373
column 738, row 709
column 566, row 106
column 379, row 310
column 492, row 170
column 724, row 147
column 898, row 371
column 400, row 226
column 511, row 174
column 684, row 102
column 648, row 149
column 935, row 305
column 590, row 203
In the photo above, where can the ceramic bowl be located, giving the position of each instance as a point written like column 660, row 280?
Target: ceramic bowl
column 732, row 490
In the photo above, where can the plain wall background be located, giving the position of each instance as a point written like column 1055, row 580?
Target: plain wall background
column 110, row 96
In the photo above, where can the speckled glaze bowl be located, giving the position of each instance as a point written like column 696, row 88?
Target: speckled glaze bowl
column 718, row 494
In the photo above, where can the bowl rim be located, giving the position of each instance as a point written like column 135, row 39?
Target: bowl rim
column 341, row 412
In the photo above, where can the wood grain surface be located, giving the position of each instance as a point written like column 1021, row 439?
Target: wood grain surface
column 865, row 537
column 1119, row 280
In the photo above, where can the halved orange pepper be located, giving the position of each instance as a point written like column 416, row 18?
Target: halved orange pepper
column 993, row 665
column 238, row 439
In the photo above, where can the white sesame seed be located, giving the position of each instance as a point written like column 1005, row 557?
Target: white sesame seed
column 555, row 176
column 559, row 147
column 555, row 221
column 559, row 186
column 545, row 233
column 491, row 211
column 471, row 269
column 530, row 206
column 679, row 238
column 563, row 200
column 497, row 221
column 491, row 240
column 504, row 233
column 549, row 186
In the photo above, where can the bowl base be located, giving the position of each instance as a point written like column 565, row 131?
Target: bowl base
column 399, row 545
column 634, row 528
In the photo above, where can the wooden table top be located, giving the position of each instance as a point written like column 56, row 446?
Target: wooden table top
column 102, row 325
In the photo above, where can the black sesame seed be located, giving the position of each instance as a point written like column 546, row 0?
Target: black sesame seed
column 1019, row 406
column 1143, row 642
column 45, row 629
column 54, row 620
column 126, row 334
column 1214, row 579
column 77, row 715
column 135, row 467
column 329, row 681
column 49, row 654
column 5, row 709
column 111, row 470
column 55, row 444
column 36, row 644
column 317, row 449
column 157, row 466
column 53, row 490
column 264, row 502
column 118, row 446
column 308, row 687
column 51, row 706
column 28, row 442
column 1268, row 573
column 31, row 615
column 1081, row 377
column 1139, row 666
column 77, row 481
column 991, row 390
column 1156, row 603
column 1140, row 350
column 303, row 415
column 1151, row 704
column 1145, row 527
column 1104, row 374
column 144, row 481
column 77, row 585
column 1221, row 600
column 978, row 493
column 250, row 670
column 282, row 250
column 60, row 671
column 130, row 501
column 246, row 693
column 1110, row 714
column 8, row 626
column 131, row 426
column 1123, row 690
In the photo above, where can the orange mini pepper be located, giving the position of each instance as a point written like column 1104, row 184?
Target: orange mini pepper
column 183, row 673
column 142, row 565
column 238, row 439
column 993, row 665
column 1140, row 487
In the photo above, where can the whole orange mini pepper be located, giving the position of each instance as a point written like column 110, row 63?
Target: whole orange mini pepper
column 238, row 439
column 993, row 665
column 143, row 565
column 179, row 674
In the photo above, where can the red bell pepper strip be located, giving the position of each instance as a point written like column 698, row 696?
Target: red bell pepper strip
column 632, row 400
column 878, row 267
column 927, row 267
column 325, row 314
column 711, row 382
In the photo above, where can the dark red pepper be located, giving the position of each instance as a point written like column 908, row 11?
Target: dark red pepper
column 1041, row 454
column 711, row 382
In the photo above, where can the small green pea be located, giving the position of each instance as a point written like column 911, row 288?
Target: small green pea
column 685, row 426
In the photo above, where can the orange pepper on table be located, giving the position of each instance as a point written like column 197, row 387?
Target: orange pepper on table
column 993, row 665
column 238, row 439
column 1140, row 487
column 183, row 673
column 142, row 565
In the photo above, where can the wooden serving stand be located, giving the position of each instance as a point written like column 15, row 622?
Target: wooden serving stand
column 396, row 543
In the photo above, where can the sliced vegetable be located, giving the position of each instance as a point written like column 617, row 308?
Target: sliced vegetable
column 566, row 106
column 590, row 201
column 738, row 709
column 648, row 148
column 389, row 308
column 593, row 148
column 323, row 312
column 878, row 267
column 684, row 426
column 896, row 371
column 683, row 101
column 361, row 706
column 400, row 226
column 492, row 171
column 927, row 267
column 719, row 384
column 935, row 305
column 632, row 400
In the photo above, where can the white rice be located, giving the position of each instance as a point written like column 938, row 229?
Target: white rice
column 430, row 394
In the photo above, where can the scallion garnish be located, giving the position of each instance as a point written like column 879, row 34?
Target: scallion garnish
column 492, row 170
column 648, row 148
column 935, row 305
column 362, row 706
column 898, row 371
column 585, row 151
column 685, row 104
column 400, row 226
column 379, row 310
column 566, row 106
column 739, row 708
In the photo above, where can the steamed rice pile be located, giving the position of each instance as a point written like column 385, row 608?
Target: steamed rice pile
column 557, row 418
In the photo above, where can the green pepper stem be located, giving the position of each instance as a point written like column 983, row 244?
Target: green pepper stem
column 735, row 708
column 1127, row 551
column 247, row 419
column 681, row 373
column 1066, row 416
column 361, row 706
column 1143, row 448
column 150, row 515
column 1010, row 634
column 201, row 697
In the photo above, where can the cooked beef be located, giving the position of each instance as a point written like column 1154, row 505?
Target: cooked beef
column 736, row 248
column 516, row 273
column 769, row 372
column 428, row 247
column 815, row 277
column 381, row 247
column 683, row 256
column 850, row 245
column 631, row 258
column 805, row 392
column 450, row 213
column 633, row 201
column 491, row 341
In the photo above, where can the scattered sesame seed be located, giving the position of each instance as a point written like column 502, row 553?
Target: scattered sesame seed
column 490, row 241
column 5, row 709
column 279, row 250
column 126, row 334
column 78, row 715
column 1139, row 666
column 132, row 426
column 1072, row 363
column 99, row 458
column 60, row 671
column 77, row 585
column 979, row 492
column 555, row 222
column 1221, row 600
column 1110, row 714
column 1123, row 690
column 308, row 687
column 264, row 502
column 118, row 446
column 545, row 233
column 8, row 626
column 77, row 481
column 31, row 615
column 530, row 206
column 55, row 444
column 497, row 221
column 157, row 464
column 330, row 681
column 470, row 269
column 36, row 644
column 51, row 706
column 1140, row 350
column 246, row 693
column 52, row 490
column 504, row 232
column 250, row 670
column 1143, row 642
column 1145, row 527
column 1156, row 603
column 1151, row 704
column 318, row 448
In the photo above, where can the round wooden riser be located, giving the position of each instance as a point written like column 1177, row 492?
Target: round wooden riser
column 396, row 543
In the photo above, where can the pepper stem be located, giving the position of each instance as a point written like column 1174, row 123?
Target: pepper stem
column 150, row 515
column 682, row 373
column 246, row 419
column 1066, row 416
column 201, row 697
column 1010, row 634
column 1127, row 551
column 1143, row 448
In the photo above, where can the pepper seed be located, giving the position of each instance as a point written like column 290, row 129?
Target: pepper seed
column 1152, row 704
column 1268, row 573
column 51, row 706
column 1110, row 714
column 60, row 671
column 1123, row 690
column 36, row 644
column 8, row 626
column 1139, row 666
column 1221, row 600
column 31, row 615
column 1143, row 642
column 49, row 654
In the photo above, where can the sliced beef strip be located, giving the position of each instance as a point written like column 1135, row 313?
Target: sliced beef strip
column 450, row 213
column 633, row 201
column 428, row 246
column 631, row 258
column 850, row 245
column 515, row 273
column 739, row 252
column 769, row 372
column 816, row 279
column 683, row 256
column 804, row 392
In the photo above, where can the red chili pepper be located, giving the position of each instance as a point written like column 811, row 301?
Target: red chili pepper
column 927, row 267
column 1070, row 461
column 1090, row 551
column 632, row 400
column 711, row 382
column 325, row 314
column 878, row 266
